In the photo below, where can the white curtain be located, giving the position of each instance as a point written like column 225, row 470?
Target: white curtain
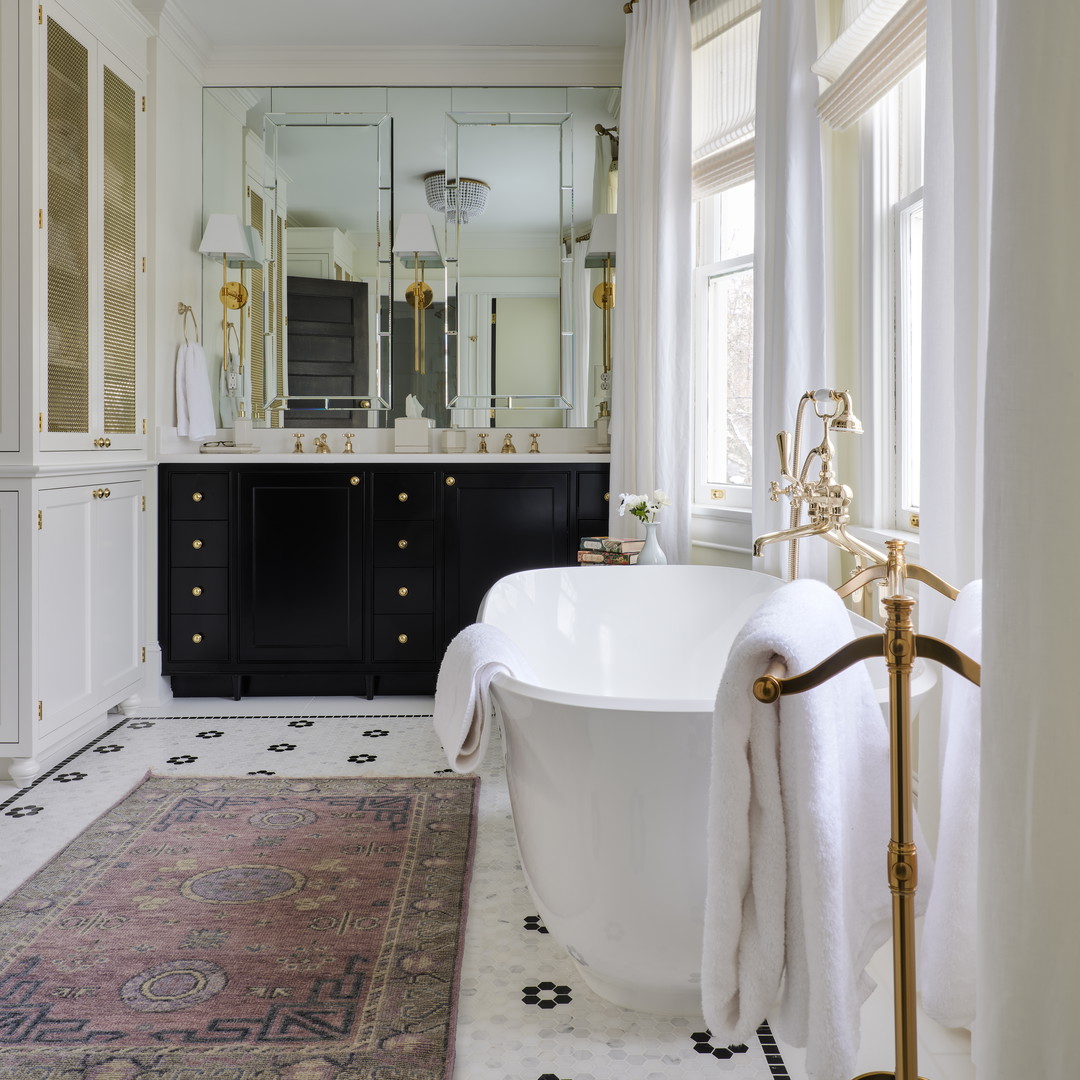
column 651, row 368
column 789, row 261
column 1028, row 979
column 956, row 201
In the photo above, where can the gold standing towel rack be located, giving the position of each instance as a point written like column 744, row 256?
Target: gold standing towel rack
column 900, row 645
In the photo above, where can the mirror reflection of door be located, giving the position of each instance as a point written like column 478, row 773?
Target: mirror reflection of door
column 429, row 386
column 328, row 349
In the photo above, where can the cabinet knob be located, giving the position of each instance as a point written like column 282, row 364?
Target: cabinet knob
column 403, row 496
column 197, row 591
column 403, row 591
column 102, row 443
column 105, row 493
column 607, row 496
column 450, row 481
column 196, row 496
column 403, row 544
column 197, row 638
column 403, row 639
column 354, row 480
column 196, row 544
column 96, row 493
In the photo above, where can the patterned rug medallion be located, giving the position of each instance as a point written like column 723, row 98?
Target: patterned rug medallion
column 245, row 929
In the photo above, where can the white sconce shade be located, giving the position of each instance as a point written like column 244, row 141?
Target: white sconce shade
column 601, row 241
column 416, row 238
column 226, row 237
column 254, row 241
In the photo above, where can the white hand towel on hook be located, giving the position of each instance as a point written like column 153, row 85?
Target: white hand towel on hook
column 947, row 951
column 799, row 823
column 194, row 403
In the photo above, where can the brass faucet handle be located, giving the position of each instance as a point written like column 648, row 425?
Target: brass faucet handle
column 349, row 436
column 298, row 446
column 534, row 446
column 483, row 442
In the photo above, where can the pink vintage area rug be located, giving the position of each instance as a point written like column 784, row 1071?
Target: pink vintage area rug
column 245, row 929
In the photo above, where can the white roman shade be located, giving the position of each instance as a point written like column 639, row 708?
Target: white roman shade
column 877, row 44
column 724, row 36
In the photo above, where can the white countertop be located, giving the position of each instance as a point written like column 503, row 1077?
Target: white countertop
column 308, row 458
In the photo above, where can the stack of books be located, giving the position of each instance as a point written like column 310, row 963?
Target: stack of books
column 608, row 551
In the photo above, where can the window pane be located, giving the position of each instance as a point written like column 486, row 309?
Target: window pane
column 737, row 221
column 730, row 344
column 909, row 358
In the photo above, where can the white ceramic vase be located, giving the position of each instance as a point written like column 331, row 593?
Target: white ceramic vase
column 651, row 554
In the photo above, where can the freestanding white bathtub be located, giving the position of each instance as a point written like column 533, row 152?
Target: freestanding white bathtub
column 607, row 760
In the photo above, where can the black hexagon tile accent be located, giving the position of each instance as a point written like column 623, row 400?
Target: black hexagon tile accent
column 546, row 995
column 703, row 1044
column 534, row 922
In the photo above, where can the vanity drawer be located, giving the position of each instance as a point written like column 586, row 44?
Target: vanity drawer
column 199, row 496
column 198, row 590
column 199, row 543
column 199, row 637
column 403, row 637
column 405, row 543
column 401, row 592
column 404, row 496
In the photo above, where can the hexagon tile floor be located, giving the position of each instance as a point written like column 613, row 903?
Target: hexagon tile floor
column 523, row 1013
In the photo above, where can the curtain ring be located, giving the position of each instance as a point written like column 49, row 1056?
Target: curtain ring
column 628, row 7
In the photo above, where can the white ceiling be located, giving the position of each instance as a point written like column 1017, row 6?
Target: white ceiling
column 425, row 23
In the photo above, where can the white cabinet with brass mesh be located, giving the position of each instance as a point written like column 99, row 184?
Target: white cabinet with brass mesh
column 91, row 256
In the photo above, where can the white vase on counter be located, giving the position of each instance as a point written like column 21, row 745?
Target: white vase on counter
column 651, row 554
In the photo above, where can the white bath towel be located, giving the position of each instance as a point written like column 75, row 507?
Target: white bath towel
column 194, row 403
column 946, row 965
column 463, row 708
column 799, row 824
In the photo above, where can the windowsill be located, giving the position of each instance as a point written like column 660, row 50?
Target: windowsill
column 719, row 512
column 877, row 537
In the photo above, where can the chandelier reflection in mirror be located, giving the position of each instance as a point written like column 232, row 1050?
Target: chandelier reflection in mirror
column 462, row 199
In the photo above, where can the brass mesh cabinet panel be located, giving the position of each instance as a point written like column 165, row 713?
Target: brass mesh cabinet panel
column 68, row 220
column 119, row 255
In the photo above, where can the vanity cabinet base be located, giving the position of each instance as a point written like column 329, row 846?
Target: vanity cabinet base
column 320, row 579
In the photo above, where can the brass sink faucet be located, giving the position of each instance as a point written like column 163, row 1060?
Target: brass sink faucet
column 321, row 445
column 508, row 446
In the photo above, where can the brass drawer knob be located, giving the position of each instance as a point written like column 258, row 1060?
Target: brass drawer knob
column 105, row 492
column 451, row 481
column 196, row 544
column 403, row 544
column 607, row 496
column 196, row 496
column 97, row 493
column 102, row 443
column 403, row 639
column 197, row 638
column 197, row 591
column 354, row 480
column 403, row 591
column 403, row 496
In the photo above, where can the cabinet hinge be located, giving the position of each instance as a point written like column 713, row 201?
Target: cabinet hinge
column 144, row 103
column 493, row 318
column 144, row 425
column 144, row 264
column 41, row 219
column 40, row 519
column 144, row 504
column 40, row 711
column 40, row 15
column 144, row 654
column 41, row 421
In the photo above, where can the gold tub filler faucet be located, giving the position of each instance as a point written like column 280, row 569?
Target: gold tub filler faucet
column 828, row 503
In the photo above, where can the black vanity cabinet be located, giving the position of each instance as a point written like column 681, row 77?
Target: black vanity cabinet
column 335, row 579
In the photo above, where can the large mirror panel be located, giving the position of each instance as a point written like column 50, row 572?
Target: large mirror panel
column 507, row 334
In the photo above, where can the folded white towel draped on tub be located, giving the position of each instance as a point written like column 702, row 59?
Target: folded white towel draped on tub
column 799, row 825
column 946, row 965
column 463, row 708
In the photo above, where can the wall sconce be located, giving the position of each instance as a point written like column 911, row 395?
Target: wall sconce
column 415, row 243
column 601, row 253
column 228, row 239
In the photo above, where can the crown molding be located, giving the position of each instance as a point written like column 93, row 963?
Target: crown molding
column 188, row 45
column 467, row 65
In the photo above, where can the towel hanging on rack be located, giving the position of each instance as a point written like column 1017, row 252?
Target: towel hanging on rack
column 194, row 402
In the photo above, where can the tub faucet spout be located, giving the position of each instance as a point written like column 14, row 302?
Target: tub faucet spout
column 798, row 533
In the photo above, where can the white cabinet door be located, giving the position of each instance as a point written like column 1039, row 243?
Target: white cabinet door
column 91, row 555
column 116, row 592
column 64, row 624
column 10, row 609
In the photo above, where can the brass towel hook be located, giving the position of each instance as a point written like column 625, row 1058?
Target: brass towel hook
column 186, row 310
column 628, row 7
